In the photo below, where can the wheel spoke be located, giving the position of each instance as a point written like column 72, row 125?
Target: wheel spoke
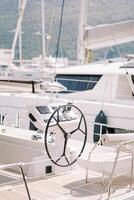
column 73, row 131
column 57, row 124
column 82, row 131
column 65, row 145
column 58, row 116
column 62, row 129
column 67, row 160
column 55, row 119
column 58, row 159
column 80, row 122
column 52, row 125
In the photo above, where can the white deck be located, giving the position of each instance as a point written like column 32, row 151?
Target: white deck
column 69, row 186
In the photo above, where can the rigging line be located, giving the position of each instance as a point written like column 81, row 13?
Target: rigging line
column 116, row 43
column 118, row 50
column 126, row 70
column 120, row 55
column 59, row 35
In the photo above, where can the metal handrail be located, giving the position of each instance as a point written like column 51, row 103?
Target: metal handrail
column 119, row 148
column 20, row 166
column 118, row 151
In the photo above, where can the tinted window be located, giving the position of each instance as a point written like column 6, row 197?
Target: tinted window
column 132, row 78
column 32, row 117
column 43, row 109
column 78, row 82
column 4, row 66
column 118, row 130
column 32, row 127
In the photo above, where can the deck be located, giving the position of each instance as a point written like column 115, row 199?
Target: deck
column 67, row 186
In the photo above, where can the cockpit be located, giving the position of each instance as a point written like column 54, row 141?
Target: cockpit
column 39, row 115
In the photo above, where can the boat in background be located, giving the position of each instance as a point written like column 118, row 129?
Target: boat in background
column 106, row 85
column 41, row 68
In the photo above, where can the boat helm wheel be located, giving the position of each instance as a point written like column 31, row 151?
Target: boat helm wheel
column 66, row 132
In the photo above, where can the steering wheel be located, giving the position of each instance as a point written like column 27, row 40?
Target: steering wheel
column 67, row 128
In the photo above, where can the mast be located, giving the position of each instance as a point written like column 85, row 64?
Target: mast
column 21, row 14
column 43, row 31
column 81, row 31
column 20, row 35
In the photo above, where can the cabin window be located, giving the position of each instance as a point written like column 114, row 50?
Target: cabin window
column 2, row 118
column 43, row 109
column 132, row 78
column 32, row 127
column 4, row 66
column 32, row 118
column 112, row 130
column 75, row 83
column 28, row 75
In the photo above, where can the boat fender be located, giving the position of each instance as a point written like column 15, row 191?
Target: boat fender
column 102, row 119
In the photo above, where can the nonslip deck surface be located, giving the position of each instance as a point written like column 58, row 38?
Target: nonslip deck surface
column 69, row 186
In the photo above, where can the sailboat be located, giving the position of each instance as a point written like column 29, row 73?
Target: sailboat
column 58, row 170
column 38, row 71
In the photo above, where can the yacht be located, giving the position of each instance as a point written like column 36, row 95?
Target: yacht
column 48, row 138
column 57, row 166
column 101, row 86
column 106, row 85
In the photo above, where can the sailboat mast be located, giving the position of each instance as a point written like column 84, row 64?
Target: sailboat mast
column 21, row 14
column 43, row 30
column 81, row 31
column 20, row 35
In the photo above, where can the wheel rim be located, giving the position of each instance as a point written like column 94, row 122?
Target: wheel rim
column 81, row 128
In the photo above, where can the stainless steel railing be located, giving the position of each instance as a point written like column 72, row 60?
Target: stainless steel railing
column 20, row 167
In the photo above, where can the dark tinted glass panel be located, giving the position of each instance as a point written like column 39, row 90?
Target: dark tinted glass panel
column 32, row 117
column 132, row 78
column 2, row 117
column 118, row 130
column 4, row 66
column 78, row 82
column 32, row 127
column 43, row 109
